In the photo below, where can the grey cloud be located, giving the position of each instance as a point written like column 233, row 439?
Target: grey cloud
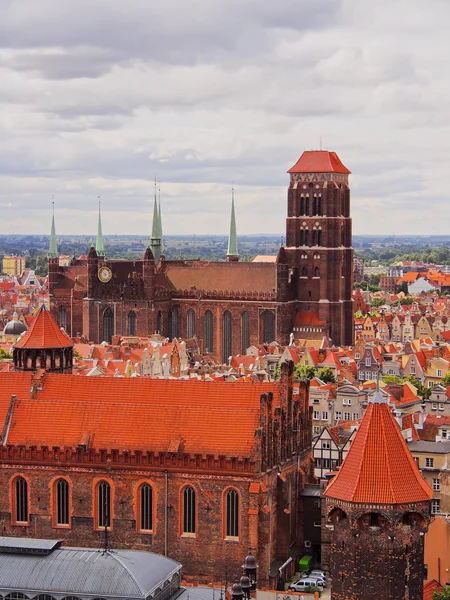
column 171, row 32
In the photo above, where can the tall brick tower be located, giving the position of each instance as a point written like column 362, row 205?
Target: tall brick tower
column 377, row 507
column 319, row 241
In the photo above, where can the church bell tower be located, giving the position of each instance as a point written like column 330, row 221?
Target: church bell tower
column 319, row 241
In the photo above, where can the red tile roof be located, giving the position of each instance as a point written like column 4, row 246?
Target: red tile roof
column 379, row 467
column 44, row 333
column 308, row 318
column 221, row 277
column 319, row 161
column 430, row 587
column 131, row 414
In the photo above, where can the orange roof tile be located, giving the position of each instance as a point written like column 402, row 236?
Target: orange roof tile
column 308, row 318
column 123, row 413
column 44, row 333
column 429, row 588
column 379, row 467
column 319, row 161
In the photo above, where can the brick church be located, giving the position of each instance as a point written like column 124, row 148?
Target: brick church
column 229, row 305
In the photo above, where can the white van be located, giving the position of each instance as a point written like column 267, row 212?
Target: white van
column 303, row 584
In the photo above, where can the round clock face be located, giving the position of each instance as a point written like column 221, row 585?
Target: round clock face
column 104, row 274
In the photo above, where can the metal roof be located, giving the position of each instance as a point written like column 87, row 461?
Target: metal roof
column 442, row 447
column 312, row 490
column 201, row 593
column 19, row 543
column 83, row 571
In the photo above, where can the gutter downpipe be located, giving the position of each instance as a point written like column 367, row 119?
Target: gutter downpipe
column 166, row 473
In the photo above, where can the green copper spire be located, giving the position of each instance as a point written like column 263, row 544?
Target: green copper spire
column 155, row 239
column 99, row 244
column 232, row 252
column 160, row 227
column 53, row 248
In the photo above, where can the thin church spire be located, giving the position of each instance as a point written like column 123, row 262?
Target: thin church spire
column 155, row 239
column 232, row 252
column 99, row 244
column 53, row 248
column 160, row 227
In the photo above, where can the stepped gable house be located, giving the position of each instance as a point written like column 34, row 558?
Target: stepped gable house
column 197, row 471
column 378, row 508
column 229, row 305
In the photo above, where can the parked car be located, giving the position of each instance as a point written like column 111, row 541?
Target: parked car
column 316, row 578
column 303, row 584
column 318, row 573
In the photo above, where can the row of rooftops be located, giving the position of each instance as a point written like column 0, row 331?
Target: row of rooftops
column 65, row 411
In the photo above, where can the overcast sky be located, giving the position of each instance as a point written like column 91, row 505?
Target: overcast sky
column 98, row 96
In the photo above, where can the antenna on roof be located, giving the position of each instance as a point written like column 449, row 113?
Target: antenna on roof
column 321, row 142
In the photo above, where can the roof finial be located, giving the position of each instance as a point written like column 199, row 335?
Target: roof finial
column 378, row 397
column 232, row 252
column 321, row 142
column 53, row 248
column 99, row 244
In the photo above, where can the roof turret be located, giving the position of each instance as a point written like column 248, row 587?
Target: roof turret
column 53, row 248
column 232, row 252
column 99, row 244
column 379, row 468
column 160, row 227
column 155, row 239
column 44, row 333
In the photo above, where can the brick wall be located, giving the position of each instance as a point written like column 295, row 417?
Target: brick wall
column 377, row 562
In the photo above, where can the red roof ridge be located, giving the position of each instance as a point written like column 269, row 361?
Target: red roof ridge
column 44, row 333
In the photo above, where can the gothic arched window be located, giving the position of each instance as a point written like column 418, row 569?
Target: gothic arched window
column 209, row 331
column 319, row 237
column 62, row 502
column 108, row 325
column 62, row 316
column 21, row 514
column 190, row 323
column 173, row 323
column 145, row 507
column 189, row 509
column 268, row 318
column 103, row 504
column 159, row 323
column 304, row 272
column 232, row 514
column 302, row 206
column 131, row 323
column 245, row 332
column 227, row 339
column 316, row 272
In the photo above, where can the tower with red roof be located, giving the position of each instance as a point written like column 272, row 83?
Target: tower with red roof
column 377, row 509
column 319, row 241
column 44, row 346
